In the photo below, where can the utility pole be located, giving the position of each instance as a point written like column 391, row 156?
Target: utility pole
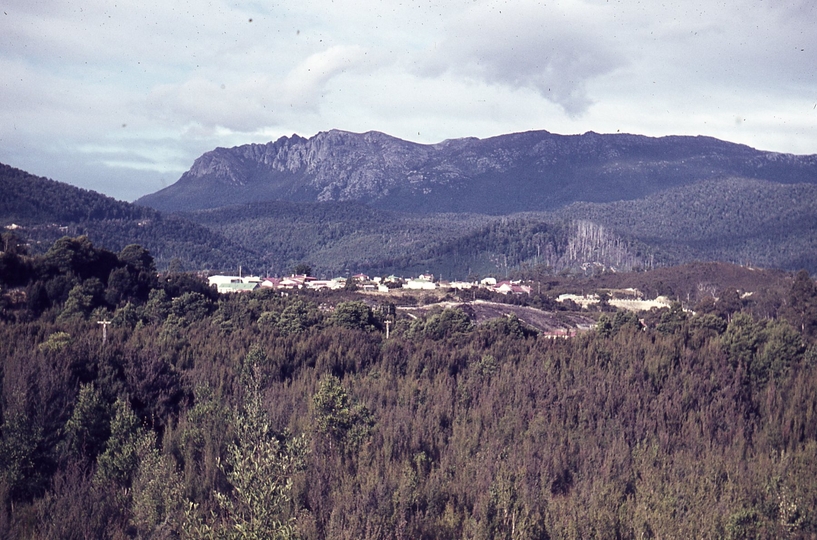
column 388, row 322
column 104, row 330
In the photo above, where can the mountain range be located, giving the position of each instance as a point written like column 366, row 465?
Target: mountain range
column 521, row 172
column 345, row 202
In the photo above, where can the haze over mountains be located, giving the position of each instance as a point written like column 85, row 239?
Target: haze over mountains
column 346, row 202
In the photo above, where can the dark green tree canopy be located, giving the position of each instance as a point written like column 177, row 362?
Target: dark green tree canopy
column 138, row 258
column 302, row 269
column 354, row 315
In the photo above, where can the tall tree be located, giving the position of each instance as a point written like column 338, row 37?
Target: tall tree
column 801, row 304
column 260, row 465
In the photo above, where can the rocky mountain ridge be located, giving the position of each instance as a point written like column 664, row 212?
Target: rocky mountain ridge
column 529, row 171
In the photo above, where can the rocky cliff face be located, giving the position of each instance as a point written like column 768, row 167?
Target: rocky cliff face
column 518, row 172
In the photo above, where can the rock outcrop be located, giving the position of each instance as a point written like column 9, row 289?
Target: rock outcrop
column 528, row 171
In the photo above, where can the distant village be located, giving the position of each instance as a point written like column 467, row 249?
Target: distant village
column 362, row 282
column 626, row 299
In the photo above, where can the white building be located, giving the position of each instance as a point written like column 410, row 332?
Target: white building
column 419, row 285
column 229, row 284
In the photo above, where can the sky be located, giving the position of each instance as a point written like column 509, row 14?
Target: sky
column 121, row 97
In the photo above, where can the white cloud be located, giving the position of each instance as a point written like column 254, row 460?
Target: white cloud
column 101, row 89
column 303, row 86
column 256, row 100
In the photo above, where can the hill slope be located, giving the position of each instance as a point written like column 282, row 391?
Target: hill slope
column 733, row 220
column 532, row 171
column 45, row 210
column 343, row 237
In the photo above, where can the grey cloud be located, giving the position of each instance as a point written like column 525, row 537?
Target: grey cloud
column 739, row 44
column 552, row 51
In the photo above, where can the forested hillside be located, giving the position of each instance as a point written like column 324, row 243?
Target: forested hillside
column 45, row 210
column 32, row 200
column 334, row 238
column 733, row 220
column 339, row 238
column 261, row 416
column 738, row 220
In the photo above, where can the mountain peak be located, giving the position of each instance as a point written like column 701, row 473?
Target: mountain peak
column 527, row 171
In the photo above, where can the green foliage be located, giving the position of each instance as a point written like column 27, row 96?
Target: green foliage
column 56, row 342
column 255, row 368
column 343, row 423
column 672, row 319
column 191, row 306
column 741, row 339
column 82, row 299
column 355, row 315
column 297, row 316
column 120, row 286
column 128, row 316
column 158, row 306
column 350, row 285
column 18, row 464
column 509, row 326
column 782, row 348
column 766, row 349
column 608, row 326
column 89, row 427
column 138, row 258
column 709, row 321
column 486, row 366
column 260, row 466
column 743, row 524
column 157, row 504
column 705, row 431
column 117, row 464
column 446, row 323
column 202, row 439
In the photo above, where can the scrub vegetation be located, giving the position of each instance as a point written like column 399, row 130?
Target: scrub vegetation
column 266, row 416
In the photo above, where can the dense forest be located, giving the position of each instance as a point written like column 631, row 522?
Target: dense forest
column 736, row 220
column 341, row 237
column 42, row 211
column 193, row 415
